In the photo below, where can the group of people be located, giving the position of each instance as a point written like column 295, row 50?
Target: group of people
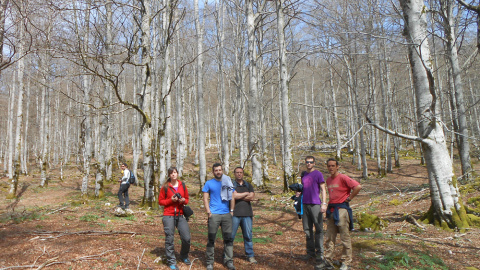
column 228, row 205
column 341, row 190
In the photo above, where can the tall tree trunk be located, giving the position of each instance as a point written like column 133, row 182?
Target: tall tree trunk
column 460, row 113
column 104, row 116
column 446, row 209
column 147, row 132
column 87, row 121
column 200, row 101
column 285, row 99
column 225, row 153
column 44, row 120
column 180, row 114
column 253, row 97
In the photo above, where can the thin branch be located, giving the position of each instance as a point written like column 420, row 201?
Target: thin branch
column 394, row 133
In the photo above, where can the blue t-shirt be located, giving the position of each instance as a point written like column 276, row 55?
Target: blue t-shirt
column 311, row 187
column 217, row 206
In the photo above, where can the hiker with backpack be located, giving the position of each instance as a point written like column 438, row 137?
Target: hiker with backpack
column 124, row 186
column 174, row 196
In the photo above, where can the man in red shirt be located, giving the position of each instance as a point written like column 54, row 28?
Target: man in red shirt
column 341, row 190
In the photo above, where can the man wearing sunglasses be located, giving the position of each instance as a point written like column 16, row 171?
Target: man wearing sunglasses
column 313, row 208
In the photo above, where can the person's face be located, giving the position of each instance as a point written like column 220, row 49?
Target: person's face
column 309, row 163
column 238, row 174
column 218, row 172
column 122, row 167
column 332, row 167
column 173, row 175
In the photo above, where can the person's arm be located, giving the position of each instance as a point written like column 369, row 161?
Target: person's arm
column 324, row 197
column 232, row 205
column 239, row 196
column 250, row 197
column 206, row 203
column 163, row 199
column 354, row 193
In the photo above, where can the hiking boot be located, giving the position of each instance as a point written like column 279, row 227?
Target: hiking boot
column 319, row 258
column 324, row 265
column 344, row 267
column 230, row 266
column 209, row 266
column 252, row 260
column 186, row 261
column 174, row 267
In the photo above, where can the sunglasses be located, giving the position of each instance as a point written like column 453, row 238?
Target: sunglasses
column 309, row 162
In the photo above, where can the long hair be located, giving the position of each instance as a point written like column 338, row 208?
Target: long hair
column 169, row 171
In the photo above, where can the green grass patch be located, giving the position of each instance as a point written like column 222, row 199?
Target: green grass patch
column 404, row 260
column 89, row 218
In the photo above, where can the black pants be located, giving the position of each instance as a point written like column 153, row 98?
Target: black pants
column 123, row 195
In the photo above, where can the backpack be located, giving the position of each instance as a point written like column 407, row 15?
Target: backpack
column 131, row 179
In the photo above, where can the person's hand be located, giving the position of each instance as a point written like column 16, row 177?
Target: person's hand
column 174, row 198
column 324, row 208
column 182, row 200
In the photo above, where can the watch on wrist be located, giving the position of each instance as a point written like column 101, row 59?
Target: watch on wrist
column 231, row 210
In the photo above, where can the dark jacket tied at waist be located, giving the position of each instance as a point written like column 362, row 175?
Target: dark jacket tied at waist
column 332, row 209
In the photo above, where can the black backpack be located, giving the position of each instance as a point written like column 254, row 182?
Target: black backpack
column 131, row 179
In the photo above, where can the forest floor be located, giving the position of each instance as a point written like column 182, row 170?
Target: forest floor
column 53, row 228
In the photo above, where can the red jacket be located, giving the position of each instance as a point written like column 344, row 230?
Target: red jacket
column 171, row 207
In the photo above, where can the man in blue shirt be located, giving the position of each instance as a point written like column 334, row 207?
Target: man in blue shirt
column 219, row 205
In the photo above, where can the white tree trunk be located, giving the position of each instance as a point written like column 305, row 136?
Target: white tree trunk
column 460, row 115
column 443, row 190
column 225, row 153
column 253, row 98
column 147, row 133
column 87, row 121
column 179, row 113
column 200, row 102
column 19, row 120
column 285, row 99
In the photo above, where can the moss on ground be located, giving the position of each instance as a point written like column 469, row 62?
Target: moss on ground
column 371, row 222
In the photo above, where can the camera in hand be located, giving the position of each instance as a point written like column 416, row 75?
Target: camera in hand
column 177, row 195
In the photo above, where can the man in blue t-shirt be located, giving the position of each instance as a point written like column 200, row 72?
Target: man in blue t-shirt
column 219, row 205
column 313, row 209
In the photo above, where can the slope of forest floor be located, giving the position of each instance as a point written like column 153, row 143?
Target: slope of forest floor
column 53, row 228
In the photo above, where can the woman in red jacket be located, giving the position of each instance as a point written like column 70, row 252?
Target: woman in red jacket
column 173, row 196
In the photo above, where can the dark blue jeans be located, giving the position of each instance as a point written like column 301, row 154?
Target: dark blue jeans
column 246, row 224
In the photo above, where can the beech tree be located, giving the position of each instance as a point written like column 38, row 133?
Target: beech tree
column 446, row 209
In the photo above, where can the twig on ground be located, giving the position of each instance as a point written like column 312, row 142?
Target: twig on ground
column 396, row 188
column 94, row 257
column 140, row 259
column 60, row 234
column 56, row 210
column 191, row 265
column 433, row 240
column 48, row 262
